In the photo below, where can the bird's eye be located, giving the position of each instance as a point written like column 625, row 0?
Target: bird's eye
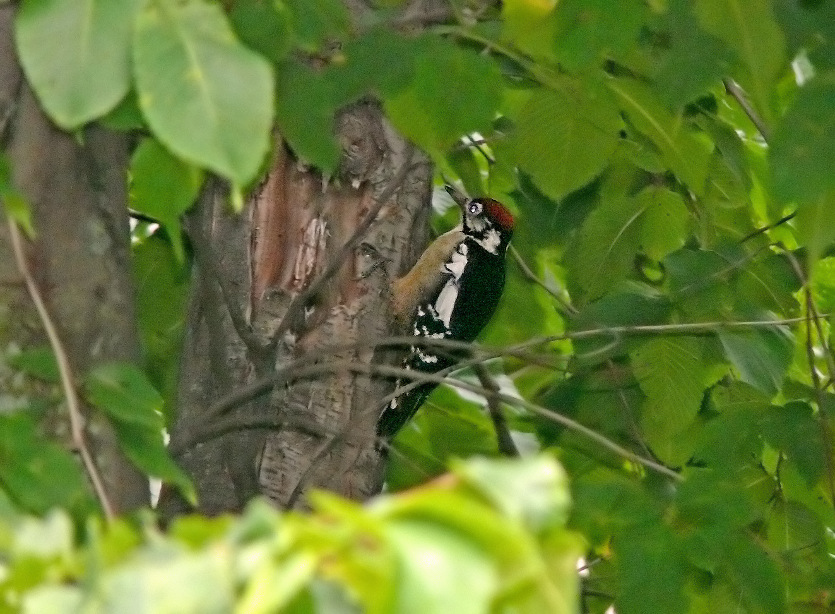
column 474, row 208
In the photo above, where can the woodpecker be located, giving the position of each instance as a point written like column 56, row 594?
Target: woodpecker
column 450, row 293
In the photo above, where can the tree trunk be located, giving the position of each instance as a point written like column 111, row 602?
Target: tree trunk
column 246, row 321
column 80, row 258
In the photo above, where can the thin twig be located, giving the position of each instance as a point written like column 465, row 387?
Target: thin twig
column 531, row 276
column 297, row 305
column 411, row 374
column 733, row 89
column 65, row 371
column 253, row 390
column 504, row 441
column 813, row 319
column 765, row 229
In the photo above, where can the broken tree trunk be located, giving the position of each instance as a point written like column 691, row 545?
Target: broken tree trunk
column 302, row 277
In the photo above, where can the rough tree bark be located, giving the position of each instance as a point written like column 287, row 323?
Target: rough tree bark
column 253, row 310
column 80, row 258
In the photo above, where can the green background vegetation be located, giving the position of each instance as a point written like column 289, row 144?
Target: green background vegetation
column 671, row 166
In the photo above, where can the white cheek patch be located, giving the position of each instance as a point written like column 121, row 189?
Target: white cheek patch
column 491, row 241
column 476, row 223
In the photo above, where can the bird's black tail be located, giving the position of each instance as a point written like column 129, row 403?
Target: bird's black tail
column 401, row 409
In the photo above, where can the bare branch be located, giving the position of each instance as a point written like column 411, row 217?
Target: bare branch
column 65, row 370
column 733, row 89
column 530, row 275
column 316, row 370
column 503, row 438
column 813, row 319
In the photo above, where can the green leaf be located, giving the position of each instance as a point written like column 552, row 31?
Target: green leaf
column 665, row 222
column 793, row 527
column 802, row 151
column 161, row 295
column 37, row 362
column 12, row 201
column 170, row 582
column 823, row 284
column 761, row 356
column 30, row 466
column 144, row 446
column 362, row 71
column 796, row 432
column 76, row 55
column 671, row 372
column 606, row 245
column 206, row 97
column 758, row 580
column 317, row 22
column 685, row 153
column 47, row 598
column 692, row 60
column 463, row 162
column 453, row 92
column 126, row 116
column 814, row 227
column 530, row 26
column 651, row 571
column 163, row 187
column 589, row 31
column 264, row 26
column 434, row 563
column 305, row 108
column 124, row 393
column 565, row 138
column 748, row 27
column 533, row 490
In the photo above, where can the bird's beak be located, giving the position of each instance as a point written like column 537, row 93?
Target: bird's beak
column 458, row 196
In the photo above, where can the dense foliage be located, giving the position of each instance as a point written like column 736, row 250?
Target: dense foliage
column 666, row 333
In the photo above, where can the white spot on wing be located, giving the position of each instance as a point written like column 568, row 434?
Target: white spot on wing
column 446, row 301
column 456, row 265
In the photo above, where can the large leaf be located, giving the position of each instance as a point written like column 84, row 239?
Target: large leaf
column 305, row 108
column 317, row 22
column 761, row 356
column 31, row 465
column 672, row 374
column 606, row 245
column 665, row 222
column 163, row 187
column 453, row 92
column 530, row 26
column 651, row 571
column 692, row 60
column 76, row 54
column 263, row 26
column 589, row 31
column 206, row 97
column 748, row 27
column 144, row 446
column 565, row 138
column 124, row 393
column 802, row 152
column 685, row 153
column 434, row 563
